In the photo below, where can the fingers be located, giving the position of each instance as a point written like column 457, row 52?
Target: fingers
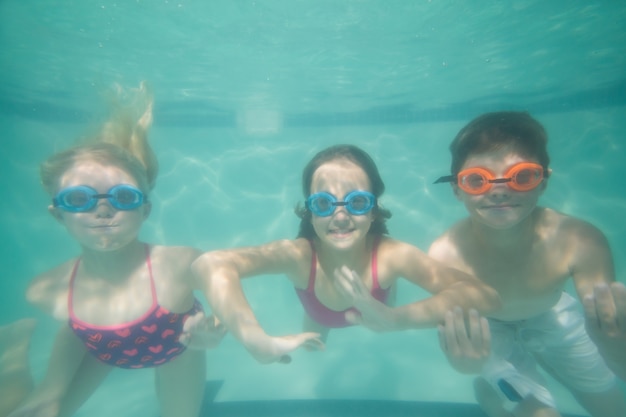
column 486, row 333
column 606, row 308
column 619, row 297
column 601, row 309
column 441, row 333
column 450, row 330
column 461, row 331
column 353, row 317
column 350, row 284
column 286, row 359
column 343, row 282
column 456, row 336
column 184, row 338
column 314, row 344
column 589, row 305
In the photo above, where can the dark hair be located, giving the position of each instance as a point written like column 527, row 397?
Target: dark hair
column 360, row 158
column 492, row 131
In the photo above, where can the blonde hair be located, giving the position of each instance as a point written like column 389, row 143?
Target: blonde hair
column 121, row 141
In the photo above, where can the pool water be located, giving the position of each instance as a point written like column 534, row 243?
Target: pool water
column 246, row 93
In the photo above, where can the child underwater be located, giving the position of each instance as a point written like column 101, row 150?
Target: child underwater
column 500, row 168
column 124, row 303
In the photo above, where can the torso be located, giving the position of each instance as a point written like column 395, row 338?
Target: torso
column 321, row 300
column 528, row 279
column 103, row 302
column 150, row 340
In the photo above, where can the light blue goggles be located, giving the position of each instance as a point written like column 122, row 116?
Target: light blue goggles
column 356, row 202
column 83, row 198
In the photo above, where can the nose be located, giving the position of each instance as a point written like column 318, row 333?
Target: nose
column 340, row 214
column 500, row 190
column 104, row 208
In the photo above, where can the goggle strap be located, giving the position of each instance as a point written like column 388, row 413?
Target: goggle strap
column 500, row 180
column 445, row 178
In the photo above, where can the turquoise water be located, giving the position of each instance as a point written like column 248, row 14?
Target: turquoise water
column 247, row 91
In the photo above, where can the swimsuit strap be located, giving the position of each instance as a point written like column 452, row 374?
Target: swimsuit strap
column 70, row 304
column 70, row 297
column 313, row 271
column 375, row 284
column 152, row 285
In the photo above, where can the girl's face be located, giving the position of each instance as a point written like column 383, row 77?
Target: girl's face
column 500, row 207
column 341, row 230
column 103, row 228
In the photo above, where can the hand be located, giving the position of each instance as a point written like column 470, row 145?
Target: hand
column 371, row 313
column 605, row 312
column 201, row 332
column 268, row 349
column 467, row 351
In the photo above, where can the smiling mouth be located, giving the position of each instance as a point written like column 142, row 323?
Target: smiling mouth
column 340, row 232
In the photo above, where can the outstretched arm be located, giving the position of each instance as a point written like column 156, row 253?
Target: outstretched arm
column 450, row 288
column 218, row 274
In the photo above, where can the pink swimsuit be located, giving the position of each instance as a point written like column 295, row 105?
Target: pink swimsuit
column 148, row 341
column 332, row 318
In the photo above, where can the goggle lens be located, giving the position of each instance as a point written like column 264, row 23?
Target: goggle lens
column 524, row 176
column 83, row 198
column 526, row 179
column 127, row 198
column 356, row 202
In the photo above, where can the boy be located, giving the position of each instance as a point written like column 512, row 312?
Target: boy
column 527, row 253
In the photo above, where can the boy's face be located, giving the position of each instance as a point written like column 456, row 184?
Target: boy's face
column 500, row 207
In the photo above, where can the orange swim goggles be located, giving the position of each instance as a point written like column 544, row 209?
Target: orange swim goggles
column 524, row 176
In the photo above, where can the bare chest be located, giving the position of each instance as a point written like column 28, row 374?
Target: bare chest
column 527, row 285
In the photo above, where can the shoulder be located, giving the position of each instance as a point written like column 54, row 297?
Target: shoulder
column 398, row 257
column 571, row 230
column 389, row 247
column 49, row 290
column 575, row 241
column 446, row 247
column 184, row 255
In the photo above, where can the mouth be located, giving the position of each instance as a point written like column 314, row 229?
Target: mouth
column 500, row 206
column 103, row 226
column 340, row 232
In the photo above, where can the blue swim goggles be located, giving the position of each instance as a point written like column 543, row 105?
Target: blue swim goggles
column 83, row 198
column 356, row 202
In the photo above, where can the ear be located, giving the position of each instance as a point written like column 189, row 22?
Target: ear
column 147, row 209
column 544, row 183
column 456, row 191
column 56, row 213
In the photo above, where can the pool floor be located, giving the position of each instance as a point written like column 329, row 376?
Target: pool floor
column 334, row 408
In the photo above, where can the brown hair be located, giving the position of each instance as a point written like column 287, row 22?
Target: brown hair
column 492, row 131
